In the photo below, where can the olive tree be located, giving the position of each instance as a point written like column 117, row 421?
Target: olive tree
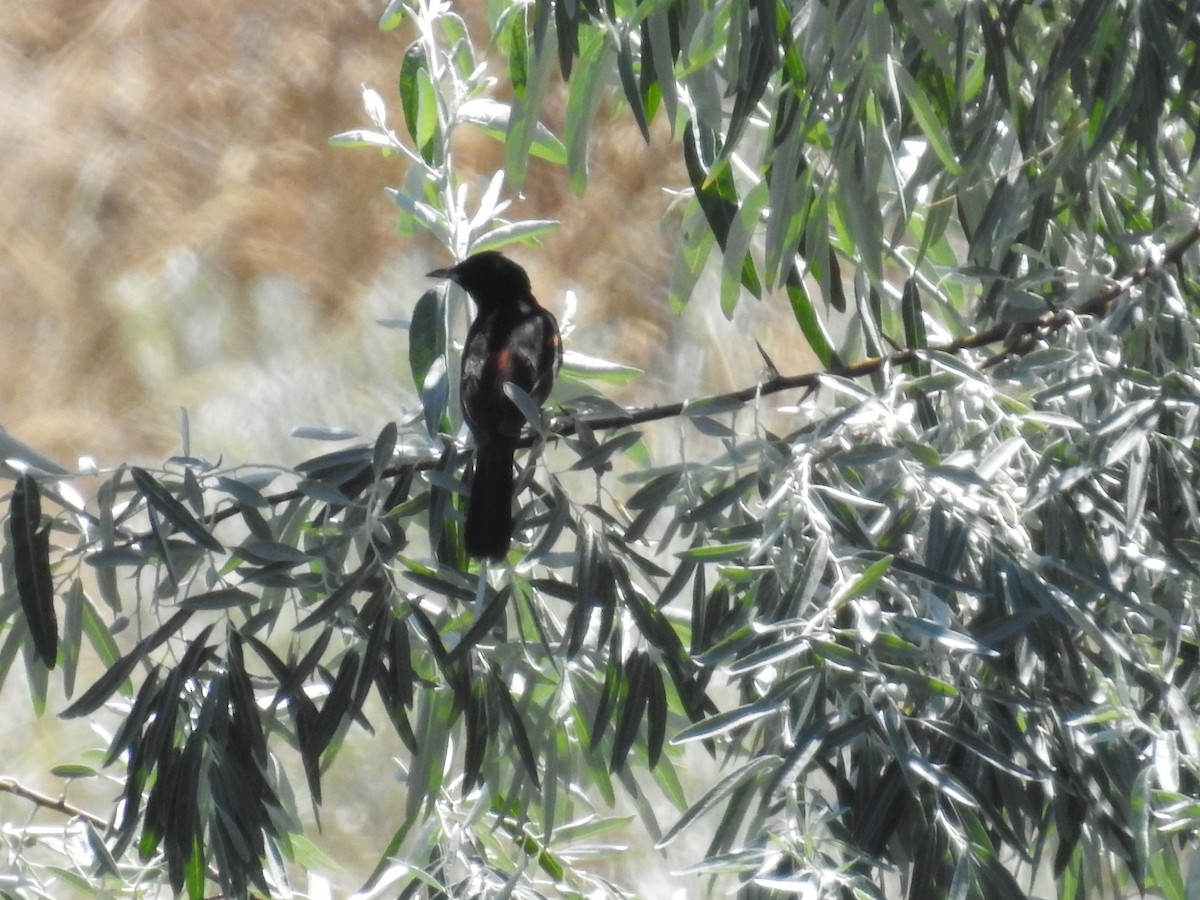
column 929, row 611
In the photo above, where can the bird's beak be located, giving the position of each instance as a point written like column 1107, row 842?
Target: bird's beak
column 443, row 273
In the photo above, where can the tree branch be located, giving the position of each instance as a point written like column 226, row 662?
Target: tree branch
column 1013, row 335
column 45, row 801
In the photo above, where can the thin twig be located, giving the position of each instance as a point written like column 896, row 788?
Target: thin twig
column 45, row 801
column 1014, row 336
column 1010, row 334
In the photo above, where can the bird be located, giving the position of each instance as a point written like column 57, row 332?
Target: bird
column 511, row 339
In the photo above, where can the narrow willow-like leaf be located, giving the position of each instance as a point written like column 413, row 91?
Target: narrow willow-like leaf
column 174, row 511
column 728, row 721
column 656, row 711
column 657, row 26
column 811, row 324
column 862, row 582
column 516, row 726
column 914, row 325
column 95, row 696
column 585, row 92
column 72, row 637
column 493, row 612
column 426, row 334
column 757, row 52
column 790, row 186
column 609, row 692
column 384, row 449
column 526, row 231
column 337, row 706
column 754, row 769
column 927, row 118
column 222, row 598
column 31, row 558
column 713, row 182
column 527, row 104
column 599, row 456
column 636, row 692
column 458, row 39
column 411, row 67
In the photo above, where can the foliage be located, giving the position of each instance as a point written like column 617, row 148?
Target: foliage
column 935, row 621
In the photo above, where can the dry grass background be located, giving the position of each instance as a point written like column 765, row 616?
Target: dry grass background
column 176, row 232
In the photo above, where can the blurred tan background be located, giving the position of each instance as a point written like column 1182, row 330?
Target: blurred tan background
column 177, row 232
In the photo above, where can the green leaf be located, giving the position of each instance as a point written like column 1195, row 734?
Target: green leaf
column 757, row 53
column 717, row 552
column 584, row 95
column 362, row 137
column 419, row 101
column 609, row 692
column 31, row 558
column 426, row 772
column 120, row 670
column 426, row 334
column 74, row 601
column 657, row 27
column 175, row 512
column 927, row 119
column 393, row 15
column 728, row 721
column 581, row 367
column 526, row 231
column 738, row 265
column 516, row 726
column 598, row 457
column 384, row 449
column 790, row 184
column 636, row 693
column 862, row 582
column 718, row 198
column 458, row 38
column 95, row 696
column 222, row 598
column 495, row 605
column 493, row 118
column 527, row 102
column 656, row 713
column 812, row 326
column 418, row 213
column 914, row 325
column 752, row 771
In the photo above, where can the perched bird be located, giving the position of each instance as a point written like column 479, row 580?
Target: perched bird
column 511, row 339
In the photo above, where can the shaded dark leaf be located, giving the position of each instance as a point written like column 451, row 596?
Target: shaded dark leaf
column 95, row 696
column 31, row 558
column 516, row 725
column 338, row 704
column 656, row 711
column 747, row 774
column 478, row 731
column 174, row 511
column 222, row 598
column 635, row 694
column 337, row 598
column 610, row 691
column 493, row 613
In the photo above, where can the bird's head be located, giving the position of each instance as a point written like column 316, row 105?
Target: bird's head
column 489, row 277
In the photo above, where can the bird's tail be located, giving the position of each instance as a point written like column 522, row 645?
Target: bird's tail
column 489, row 506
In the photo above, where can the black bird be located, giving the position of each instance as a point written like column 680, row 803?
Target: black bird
column 511, row 339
